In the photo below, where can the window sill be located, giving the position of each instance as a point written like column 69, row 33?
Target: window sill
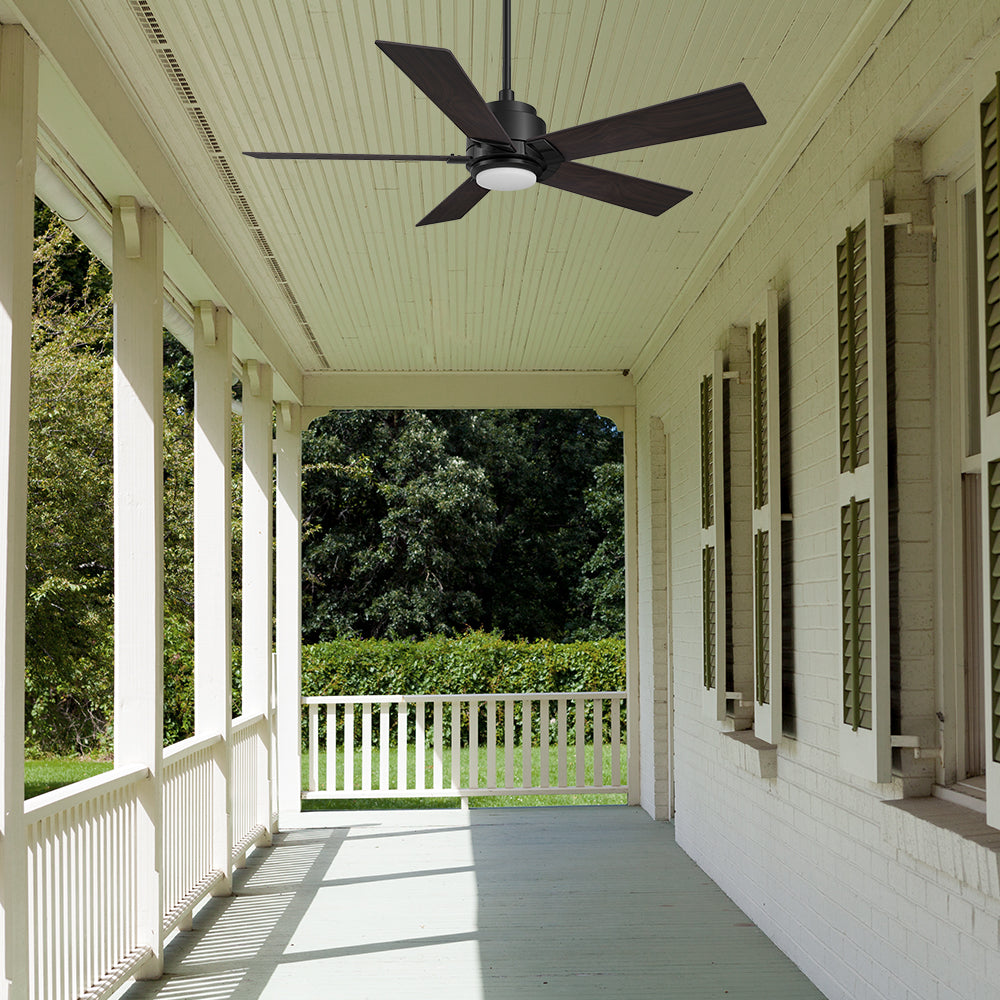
column 961, row 794
column 948, row 836
column 751, row 754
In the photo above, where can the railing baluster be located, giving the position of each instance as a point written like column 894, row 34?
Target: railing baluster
column 330, row 749
column 383, row 747
column 349, row 784
column 616, row 741
column 598, row 743
column 491, row 743
column 473, row 743
column 543, row 743
column 526, row 743
column 366, row 747
column 313, row 747
column 581, row 745
column 508, row 742
column 438, row 743
column 419, row 760
column 563, row 778
column 456, row 745
column 402, row 738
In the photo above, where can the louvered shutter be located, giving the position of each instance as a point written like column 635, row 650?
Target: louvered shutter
column 713, row 540
column 766, row 476
column 865, row 744
column 990, row 391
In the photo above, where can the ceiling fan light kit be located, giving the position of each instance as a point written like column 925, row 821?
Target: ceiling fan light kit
column 505, row 178
column 509, row 149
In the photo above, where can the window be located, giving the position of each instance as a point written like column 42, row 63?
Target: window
column 988, row 147
column 713, row 542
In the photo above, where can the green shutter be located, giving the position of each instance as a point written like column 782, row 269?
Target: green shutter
column 856, row 580
column 991, row 246
column 758, row 396
column 852, row 318
column 708, row 615
column 766, row 518
column 707, row 464
column 993, row 555
column 762, row 614
column 863, row 490
column 713, row 538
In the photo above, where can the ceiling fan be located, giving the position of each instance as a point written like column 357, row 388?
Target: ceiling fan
column 508, row 148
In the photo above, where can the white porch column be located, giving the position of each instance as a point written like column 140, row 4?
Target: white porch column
column 656, row 718
column 213, row 458
column 138, row 490
column 18, row 116
column 626, row 425
column 288, row 591
column 258, row 573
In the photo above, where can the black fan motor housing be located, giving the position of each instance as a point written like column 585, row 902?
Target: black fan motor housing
column 531, row 152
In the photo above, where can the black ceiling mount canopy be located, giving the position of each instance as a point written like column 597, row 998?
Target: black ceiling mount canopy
column 508, row 147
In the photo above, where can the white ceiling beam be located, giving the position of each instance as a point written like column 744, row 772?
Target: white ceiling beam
column 58, row 30
column 468, row 390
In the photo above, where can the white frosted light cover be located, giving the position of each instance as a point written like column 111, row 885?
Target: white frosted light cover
column 505, row 178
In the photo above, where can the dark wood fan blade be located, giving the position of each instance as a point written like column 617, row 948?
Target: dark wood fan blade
column 713, row 111
column 355, row 156
column 438, row 74
column 616, row 189
column 460, row 202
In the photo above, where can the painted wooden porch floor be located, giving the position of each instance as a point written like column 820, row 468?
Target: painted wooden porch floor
column 491, row 903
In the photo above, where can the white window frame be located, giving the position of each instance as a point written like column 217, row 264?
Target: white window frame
column 986, row 86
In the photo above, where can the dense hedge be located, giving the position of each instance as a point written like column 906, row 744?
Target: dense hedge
column 474, row 663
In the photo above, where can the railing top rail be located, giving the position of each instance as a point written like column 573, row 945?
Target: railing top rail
column 431, row 698
column 247, row 722
column 69, row 796
column 192, row 745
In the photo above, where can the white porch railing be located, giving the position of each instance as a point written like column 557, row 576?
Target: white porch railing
column 83, row 879
column 412, row 746
column 188, row 779
column 251, row 795
column 82, row 884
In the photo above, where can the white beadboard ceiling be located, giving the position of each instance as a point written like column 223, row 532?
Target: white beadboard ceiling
column 538, row 280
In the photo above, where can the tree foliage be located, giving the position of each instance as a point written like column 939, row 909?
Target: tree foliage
column 424, row 522
column 69, row 639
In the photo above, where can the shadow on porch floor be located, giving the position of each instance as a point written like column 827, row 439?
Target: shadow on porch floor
column 492, row 903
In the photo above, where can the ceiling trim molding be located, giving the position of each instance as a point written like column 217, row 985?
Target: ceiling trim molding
column 70, row 48
column 467, row 390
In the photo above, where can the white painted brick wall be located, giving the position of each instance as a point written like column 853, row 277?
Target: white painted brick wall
column 869, row 903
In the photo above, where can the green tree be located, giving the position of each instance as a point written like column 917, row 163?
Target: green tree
column 69, row 566
column 539, row 464
column 397, row 531
column 69, row 640
column 422, row 522
column 601, row 590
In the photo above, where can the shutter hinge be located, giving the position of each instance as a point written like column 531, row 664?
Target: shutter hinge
column 906, row 219
column 913, row 743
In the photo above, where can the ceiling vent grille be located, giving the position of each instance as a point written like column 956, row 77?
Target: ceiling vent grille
column 168, row 60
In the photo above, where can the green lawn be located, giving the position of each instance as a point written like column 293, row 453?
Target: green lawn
column 45, row 775
column 474, row 801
